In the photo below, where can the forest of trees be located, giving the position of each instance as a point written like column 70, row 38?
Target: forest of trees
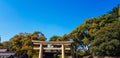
column 98, row 36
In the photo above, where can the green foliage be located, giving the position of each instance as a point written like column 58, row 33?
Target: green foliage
column 55, row 38
column 59, row 38
column 22, row 43
column 1, row 45
column 65, row 37
column 81, row 53
column 85, row 41
column 107, row 40
column 98, row 36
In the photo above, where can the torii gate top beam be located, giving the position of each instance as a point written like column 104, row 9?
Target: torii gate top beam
column 52, row 42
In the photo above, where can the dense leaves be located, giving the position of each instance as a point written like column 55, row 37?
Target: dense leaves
column 22, row 44
column 60, row 38
column 55, row 38
column 107, row 40
column 98, row 36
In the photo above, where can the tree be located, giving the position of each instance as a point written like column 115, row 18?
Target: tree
column 65, row 37
column 87, row 36
column 1, row 45
column 107, row 40
column 6, row 44
column 60, row 38
column 80, row 38
column 115, row 12
column 22, row 44
column 55, row 38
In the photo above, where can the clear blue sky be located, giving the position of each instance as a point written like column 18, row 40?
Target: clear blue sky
column 51, row 17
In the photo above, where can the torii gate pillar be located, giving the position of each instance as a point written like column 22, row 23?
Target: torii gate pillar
column 63, row 51
column 41, row 51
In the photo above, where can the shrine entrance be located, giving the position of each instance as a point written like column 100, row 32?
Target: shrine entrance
column 51, row 46
column 49, row 54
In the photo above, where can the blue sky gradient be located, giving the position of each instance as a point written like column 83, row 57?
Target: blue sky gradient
column 51, row 17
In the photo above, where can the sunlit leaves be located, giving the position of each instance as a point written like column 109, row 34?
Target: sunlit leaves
column 22, row 43
column 99, row 33
column 55, row 38
column 107, row 40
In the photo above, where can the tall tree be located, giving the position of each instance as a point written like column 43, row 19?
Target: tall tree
column 107, row 40
column 85, row 35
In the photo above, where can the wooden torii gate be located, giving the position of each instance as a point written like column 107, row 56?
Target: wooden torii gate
column 41, row 48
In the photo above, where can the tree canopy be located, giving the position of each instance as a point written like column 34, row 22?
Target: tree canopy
column 22, row 44
column 98, row 36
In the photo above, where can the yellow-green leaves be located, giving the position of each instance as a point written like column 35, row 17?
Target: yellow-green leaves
column 22, row 43
column 86, row 41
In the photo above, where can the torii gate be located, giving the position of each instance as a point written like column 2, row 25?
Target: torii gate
column 41, row 48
